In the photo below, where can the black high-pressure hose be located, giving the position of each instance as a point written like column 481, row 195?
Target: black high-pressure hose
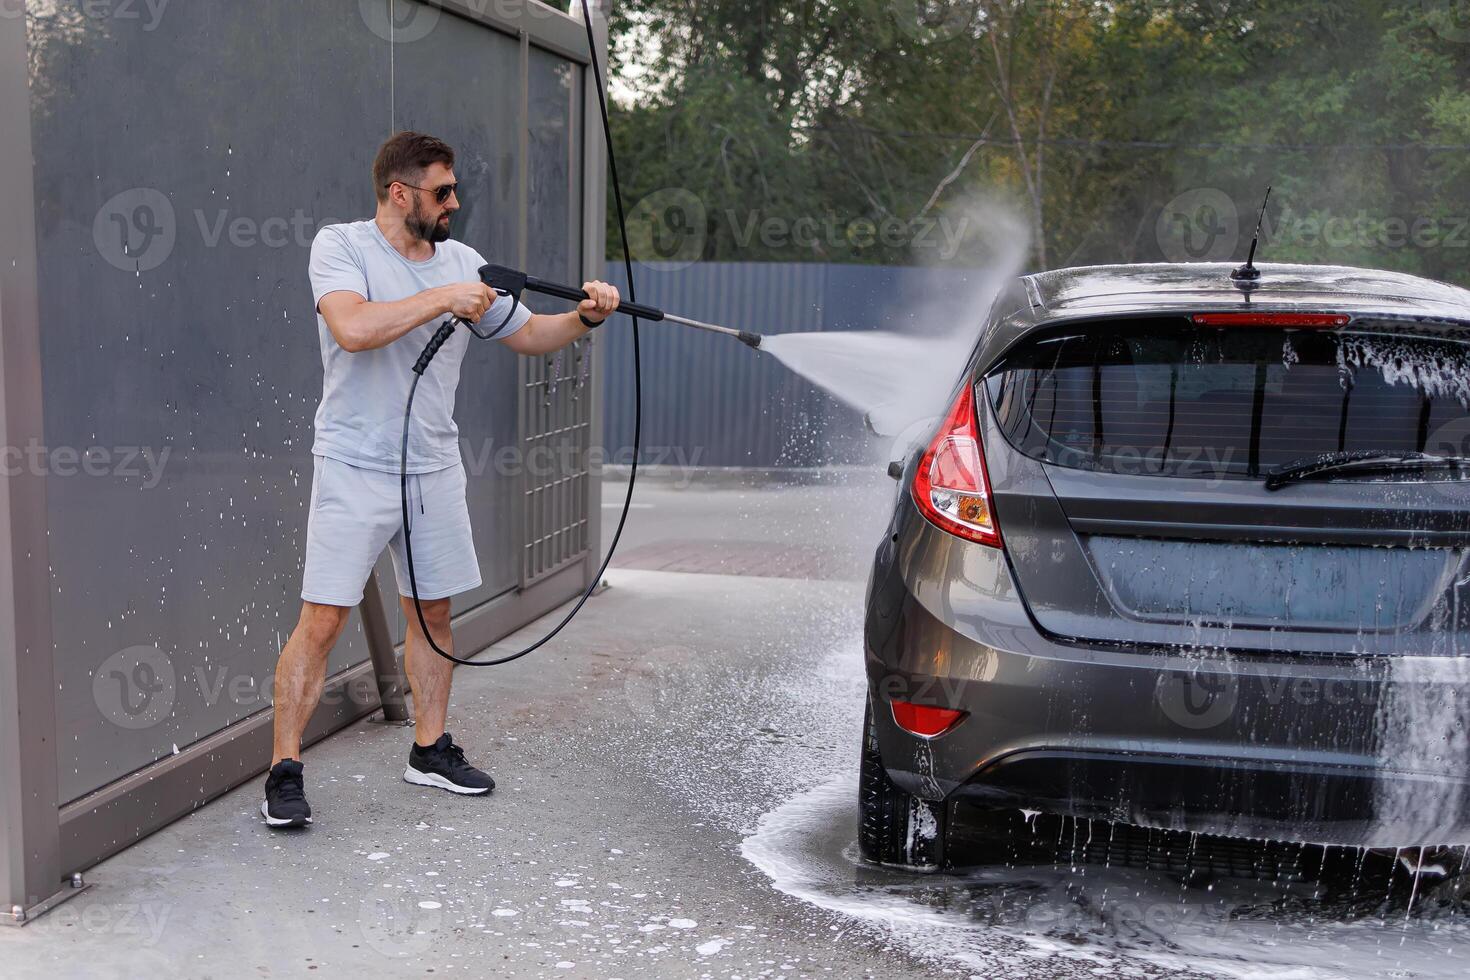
column 443, row 334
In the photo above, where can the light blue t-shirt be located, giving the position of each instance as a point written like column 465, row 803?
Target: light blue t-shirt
column 360, row 419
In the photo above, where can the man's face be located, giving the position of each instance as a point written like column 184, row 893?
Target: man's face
column 427, row 219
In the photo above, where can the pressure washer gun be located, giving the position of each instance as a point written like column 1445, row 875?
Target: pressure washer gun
column 510, row 282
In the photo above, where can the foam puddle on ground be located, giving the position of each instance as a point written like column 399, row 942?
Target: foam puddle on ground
column 1061, row 919
column 805, row 847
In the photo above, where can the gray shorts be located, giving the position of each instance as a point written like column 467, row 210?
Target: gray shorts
column 356, row 511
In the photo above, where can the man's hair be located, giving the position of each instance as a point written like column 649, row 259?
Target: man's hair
column 405, row 157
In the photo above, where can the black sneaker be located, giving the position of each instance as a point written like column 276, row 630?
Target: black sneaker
column 442, row 765
column 285, row 796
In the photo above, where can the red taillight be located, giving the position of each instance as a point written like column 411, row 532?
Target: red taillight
column 951, row 486
column 923, row 720
column 1311, row 320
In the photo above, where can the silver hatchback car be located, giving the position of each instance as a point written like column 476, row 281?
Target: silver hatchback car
column 1187, row 552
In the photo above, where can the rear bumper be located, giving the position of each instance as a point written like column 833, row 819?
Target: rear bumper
column 1233, row 797
column 1327, row 750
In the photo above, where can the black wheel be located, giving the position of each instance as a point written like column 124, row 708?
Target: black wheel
column 895, row 827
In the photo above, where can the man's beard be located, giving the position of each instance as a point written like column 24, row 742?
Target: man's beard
column 426, row 229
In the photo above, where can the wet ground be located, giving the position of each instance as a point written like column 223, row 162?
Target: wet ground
column 676, row 799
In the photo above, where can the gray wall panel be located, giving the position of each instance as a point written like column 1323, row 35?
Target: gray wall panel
column 182, row 167
column 555, row 230
column 479, row 115
column 217, row 160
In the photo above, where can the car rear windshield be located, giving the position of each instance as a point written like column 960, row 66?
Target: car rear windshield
column 1167, row 397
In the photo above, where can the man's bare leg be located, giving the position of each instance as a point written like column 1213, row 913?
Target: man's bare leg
column 300, row 673
column 430, row 764
column 428, row 673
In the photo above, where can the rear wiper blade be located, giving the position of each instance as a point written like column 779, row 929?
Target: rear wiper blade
column 1367, row 461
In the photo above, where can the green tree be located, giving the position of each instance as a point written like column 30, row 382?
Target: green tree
column 1090, row 117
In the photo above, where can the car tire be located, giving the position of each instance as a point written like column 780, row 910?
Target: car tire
column 895, row 827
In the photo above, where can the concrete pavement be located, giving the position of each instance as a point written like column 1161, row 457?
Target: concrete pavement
column 676, row 798
column 632, row 756
column 725, row 525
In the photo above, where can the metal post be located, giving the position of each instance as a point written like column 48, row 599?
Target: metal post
column 524, row 365
column 594, row 265
column 387, row 671
column 30, row 823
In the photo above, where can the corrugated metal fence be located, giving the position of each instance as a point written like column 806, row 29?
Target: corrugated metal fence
column 708, row 401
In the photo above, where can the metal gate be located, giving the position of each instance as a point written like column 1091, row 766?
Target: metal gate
column 556, row 412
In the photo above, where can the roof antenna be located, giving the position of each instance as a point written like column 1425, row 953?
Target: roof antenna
column 1248, row 273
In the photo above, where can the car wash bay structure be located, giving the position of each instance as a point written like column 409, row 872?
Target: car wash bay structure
column 165, row 173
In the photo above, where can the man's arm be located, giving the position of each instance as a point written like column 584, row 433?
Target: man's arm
column 547, row 332
column 359, row 325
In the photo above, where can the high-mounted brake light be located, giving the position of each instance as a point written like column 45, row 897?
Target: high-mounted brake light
column 951, row 487
column 924, row 720
column 1311, row 320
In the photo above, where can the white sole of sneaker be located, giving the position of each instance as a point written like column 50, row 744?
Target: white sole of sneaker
column 412, row 775
column 279, row 821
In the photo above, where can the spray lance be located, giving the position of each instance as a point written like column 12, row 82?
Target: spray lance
column 509, row 282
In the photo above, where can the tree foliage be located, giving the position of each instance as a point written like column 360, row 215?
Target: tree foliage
column 1134, row 130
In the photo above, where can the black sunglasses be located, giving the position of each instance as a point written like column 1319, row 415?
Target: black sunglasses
column 441, row 193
